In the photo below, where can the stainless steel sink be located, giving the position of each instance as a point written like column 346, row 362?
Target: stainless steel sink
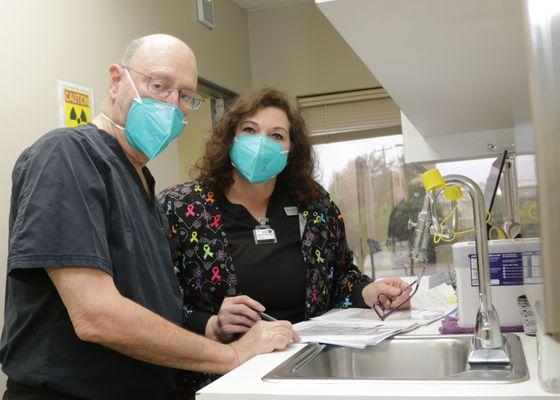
column 437, row 358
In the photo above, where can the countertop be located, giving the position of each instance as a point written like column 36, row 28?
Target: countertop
column 245, row 382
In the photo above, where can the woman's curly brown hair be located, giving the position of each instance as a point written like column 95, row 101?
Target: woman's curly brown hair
column 214, row 168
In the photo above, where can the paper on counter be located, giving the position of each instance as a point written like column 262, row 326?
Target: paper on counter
column 360, row 327
column 347, row 333
column 440, row 298
column 427, row 306
column 397, row 320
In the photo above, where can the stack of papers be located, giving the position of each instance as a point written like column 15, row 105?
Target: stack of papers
column 361, row 327
column 347, row 333
column 396, row 319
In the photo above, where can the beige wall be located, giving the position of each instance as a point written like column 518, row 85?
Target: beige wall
column 297, row 49
column 191, row 146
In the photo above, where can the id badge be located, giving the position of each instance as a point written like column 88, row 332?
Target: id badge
column 264, row 234
column 291, row 211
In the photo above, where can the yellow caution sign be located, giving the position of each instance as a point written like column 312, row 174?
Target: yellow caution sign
column 77, row 104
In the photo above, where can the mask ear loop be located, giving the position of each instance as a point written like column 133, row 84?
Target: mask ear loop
column 122, row 128
column 138, row 98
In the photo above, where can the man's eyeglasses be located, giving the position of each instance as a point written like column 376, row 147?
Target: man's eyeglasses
column 162, row 88
column 383, row 312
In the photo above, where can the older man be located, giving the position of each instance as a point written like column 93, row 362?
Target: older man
column 92, row 303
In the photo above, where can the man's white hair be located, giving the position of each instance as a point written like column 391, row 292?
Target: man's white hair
column 131, row 49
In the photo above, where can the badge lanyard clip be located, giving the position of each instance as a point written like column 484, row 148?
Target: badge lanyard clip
column 263, row 233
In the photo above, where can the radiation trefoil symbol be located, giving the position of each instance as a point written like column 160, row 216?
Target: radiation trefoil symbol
column 79, row 120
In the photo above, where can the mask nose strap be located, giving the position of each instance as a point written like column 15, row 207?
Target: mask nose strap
column 133, row 85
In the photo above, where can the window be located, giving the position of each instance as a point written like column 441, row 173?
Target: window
column 367, row 179
column 527, row 193
column 378, row 194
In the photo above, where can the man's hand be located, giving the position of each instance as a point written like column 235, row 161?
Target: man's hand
column 236, row 316
column 264, row 337
column 389, row 292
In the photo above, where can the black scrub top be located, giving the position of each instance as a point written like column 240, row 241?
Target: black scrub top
column 272, row 273
column 77, row 201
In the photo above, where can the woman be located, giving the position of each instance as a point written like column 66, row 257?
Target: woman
column 255, row 231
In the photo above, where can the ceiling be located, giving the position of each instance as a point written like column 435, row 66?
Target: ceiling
column 451, row 66
column 252, row 5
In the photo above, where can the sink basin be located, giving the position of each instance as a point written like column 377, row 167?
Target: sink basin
column 434, row 357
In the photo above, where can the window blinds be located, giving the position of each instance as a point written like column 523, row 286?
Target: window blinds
column 370, row 110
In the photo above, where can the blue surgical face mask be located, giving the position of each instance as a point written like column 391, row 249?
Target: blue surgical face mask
column 257, row 158
column 151, row 124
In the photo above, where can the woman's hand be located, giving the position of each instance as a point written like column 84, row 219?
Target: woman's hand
column 236, row 316
column 388, row 293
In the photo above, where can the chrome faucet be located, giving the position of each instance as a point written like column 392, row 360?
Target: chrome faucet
column 488, row 345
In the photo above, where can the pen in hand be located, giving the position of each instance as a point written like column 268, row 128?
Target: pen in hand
column 267, row 317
